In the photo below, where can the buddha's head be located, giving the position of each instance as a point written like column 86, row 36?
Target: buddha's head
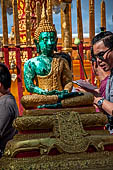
column 45, row 36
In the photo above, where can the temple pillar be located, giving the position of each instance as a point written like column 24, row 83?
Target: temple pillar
column 80, row 36
column 91, row 20
column 28, row 24
column 79, row 21
column 18, row 55
column 22, row 21
column 38, row 13
column 4, row 23
column 5, row 32
column 103, row 15
column 49, row 10
column 70, row 25
column 16, row 23
column 91, row 28
column 66, row 27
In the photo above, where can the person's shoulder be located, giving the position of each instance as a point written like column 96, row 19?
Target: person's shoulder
column 10, row 98
column 11, row 103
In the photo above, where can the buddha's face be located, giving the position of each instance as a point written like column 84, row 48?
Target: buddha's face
column 47, row 42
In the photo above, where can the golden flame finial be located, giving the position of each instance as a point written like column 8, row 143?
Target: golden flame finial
column 43, row 16
column 44, row 25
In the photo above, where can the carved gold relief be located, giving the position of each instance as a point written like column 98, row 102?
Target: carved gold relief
column 67, row 135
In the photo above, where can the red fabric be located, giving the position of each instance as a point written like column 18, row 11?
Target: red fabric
column 102, row 88
column 25, row 154
column 35, row 153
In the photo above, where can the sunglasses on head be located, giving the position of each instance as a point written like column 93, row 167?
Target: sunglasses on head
column 101, row 54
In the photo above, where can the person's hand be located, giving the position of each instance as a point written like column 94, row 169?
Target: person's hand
column 80, row 89
column 88, row 80
column 94, row 91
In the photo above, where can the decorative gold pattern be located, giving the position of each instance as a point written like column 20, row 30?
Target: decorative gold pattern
column 86, row 161
column 72, row 135
column 53, row 79
column 47, row 121
column 40, row 112
column 34, row 100
column 67, row 135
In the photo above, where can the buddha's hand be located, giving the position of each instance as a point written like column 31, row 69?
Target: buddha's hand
column 50, row 106
column 55, row 92
column 43, row 92
column 68, row 95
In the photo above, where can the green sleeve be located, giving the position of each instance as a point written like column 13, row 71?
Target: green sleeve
column 29, row 75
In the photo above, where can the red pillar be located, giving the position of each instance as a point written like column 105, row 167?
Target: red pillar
column 19, row 78
column 29, row 50
column 6, row 56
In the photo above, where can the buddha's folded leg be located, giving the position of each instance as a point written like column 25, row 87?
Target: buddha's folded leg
column 80, row 100
column 34, row 100
column 83, row 100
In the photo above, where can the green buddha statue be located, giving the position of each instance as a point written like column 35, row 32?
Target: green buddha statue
column 48, row 75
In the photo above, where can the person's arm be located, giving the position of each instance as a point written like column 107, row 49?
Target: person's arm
column 106, row 105
column 29, row 75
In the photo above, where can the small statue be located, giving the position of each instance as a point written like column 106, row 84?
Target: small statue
column 51, row 72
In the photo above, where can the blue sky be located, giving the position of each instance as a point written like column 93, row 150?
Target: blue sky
column 85, row 17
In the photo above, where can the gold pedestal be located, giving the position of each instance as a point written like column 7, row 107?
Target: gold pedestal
column 61, row 139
